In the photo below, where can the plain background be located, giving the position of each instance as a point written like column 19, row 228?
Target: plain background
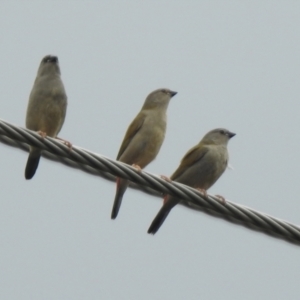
column 235, row 64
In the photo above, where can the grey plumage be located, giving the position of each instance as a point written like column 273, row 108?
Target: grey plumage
column 47, row 107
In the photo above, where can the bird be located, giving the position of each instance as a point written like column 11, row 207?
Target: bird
column 143, row 138
column 47, row 107
column 200, row 168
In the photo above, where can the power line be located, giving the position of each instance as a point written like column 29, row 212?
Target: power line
column 108, row 169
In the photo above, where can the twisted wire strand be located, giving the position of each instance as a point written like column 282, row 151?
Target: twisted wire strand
column 108, row 169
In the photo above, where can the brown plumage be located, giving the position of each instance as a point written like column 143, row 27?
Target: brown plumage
column 200, row 168
column 143, row 138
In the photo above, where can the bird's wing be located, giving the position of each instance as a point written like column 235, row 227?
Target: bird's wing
column 192, row 156
column 132, row 130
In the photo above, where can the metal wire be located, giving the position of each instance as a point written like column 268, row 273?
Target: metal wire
column 99, row 165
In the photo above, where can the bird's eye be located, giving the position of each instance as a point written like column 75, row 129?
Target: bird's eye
column 222, row 131
column 164, row 91
column 50, row 59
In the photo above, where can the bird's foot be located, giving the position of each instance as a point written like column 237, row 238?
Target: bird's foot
column 203, row 192
column 166, row 178
column 137, row 167
column 67, row 143
column 42, row 134
column 222, row 199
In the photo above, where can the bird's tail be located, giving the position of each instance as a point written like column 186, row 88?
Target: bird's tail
column 122, row 185
column 162, row 214
column 32, row 162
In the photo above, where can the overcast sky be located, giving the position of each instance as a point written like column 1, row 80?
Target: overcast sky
column 234, row 64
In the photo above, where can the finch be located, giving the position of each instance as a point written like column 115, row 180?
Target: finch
column 47, row 107
column 200, row 168
column 143, row 138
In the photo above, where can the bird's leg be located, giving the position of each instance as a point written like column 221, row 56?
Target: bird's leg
column 165, row 199
column 167, row 179
column 223, row 201
column 137, row 167
column 42, row 134
column 118, row 182
column 67, row 143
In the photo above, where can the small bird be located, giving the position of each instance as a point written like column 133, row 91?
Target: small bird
column 47, row 106
column 200, row 168
column 143, row 138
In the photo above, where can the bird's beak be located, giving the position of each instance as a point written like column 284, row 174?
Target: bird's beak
column 231, row 134
column 172, row 93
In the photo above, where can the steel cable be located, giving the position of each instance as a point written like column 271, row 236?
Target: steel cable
column 99, row 165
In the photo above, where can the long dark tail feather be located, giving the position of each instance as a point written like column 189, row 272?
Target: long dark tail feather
column 122, row 185
column 32, row 163
column 162, row 215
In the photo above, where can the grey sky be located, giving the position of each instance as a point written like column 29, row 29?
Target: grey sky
column 234, row 64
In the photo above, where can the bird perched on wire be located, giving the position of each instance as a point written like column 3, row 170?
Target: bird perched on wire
column 143, row 138
column 200, row 168
column 47, row 107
